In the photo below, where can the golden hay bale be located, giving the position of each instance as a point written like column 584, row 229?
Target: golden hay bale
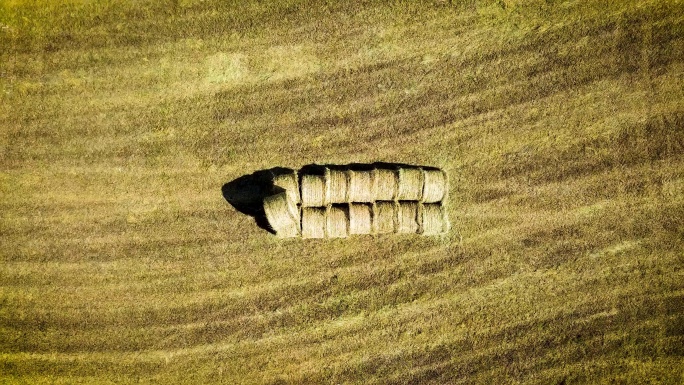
column 433, row 219
column 313, row 190
column 384, row 217
column 313, row 222
column 410, row 184
column 386, row 184
column 289, row 183
column 337, row 186
column 337, row 222
column 434, row 186
column 361, row 186
column 360, row 218
column 407, row 217
column 282, row 215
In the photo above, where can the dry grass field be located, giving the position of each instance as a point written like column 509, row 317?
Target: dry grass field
column 560, row 124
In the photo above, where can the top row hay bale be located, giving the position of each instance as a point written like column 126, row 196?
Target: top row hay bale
column 411, row 181
column 434, row 185
column 361, row 186
column 282, row 215
column 337, row 186
column 313, row 190
column 289, row 183
column 386, row 184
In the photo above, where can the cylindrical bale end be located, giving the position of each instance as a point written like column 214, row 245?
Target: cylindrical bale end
column 313, row 222
column 313, row 190
column 361, row 186
column 434, row 186
column 433, row 219
column 410, row 184
column 386, row 184
column 360, row 219
column 338, row 221
column 407, row 218
column 384, row 217
column 282, row 215
column 337, row 186
column 290, row 183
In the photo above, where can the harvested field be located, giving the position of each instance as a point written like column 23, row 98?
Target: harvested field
column 124, row 260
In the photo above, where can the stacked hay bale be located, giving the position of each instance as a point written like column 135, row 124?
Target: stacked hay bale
column 338, row 202
column 282, row 214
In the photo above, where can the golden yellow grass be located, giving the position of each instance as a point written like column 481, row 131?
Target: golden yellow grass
column 558, row 123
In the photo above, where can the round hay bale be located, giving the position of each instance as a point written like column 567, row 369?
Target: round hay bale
column 313, row 222
column 337, row 186
column 433, row 219
column 384, row 217
column 289, row 183
column 386, row 184
column 360, row 218
column 434, row 186
column 407, row 218
column 361, row 186
column 282, row 215
column 337, row 222
column 410, row 184
column 313, row 190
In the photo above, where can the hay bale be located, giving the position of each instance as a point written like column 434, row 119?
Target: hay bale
column 386, row 184
column 313, row 190
column 361, row 186
column 410, row 184
column 337, row 222
column 282, row 214
column 337, row 186
column 407, row 218
column 313, row 222
column 434, row 185
column 360, row 218
column 433, row 219
column 384, row 217
column 288, row 182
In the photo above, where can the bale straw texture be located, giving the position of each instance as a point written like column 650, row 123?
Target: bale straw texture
column 433, row 219
column 361, row 186
column 337, row 222
column 282, row 215
column 313, row 222
column 360, row 218
column 434, row 186
column 337, row 186
column 289, row 183
column 410, row 184
column 386, row 184
column 384, row 217
column 407, row 217
column 313, row 190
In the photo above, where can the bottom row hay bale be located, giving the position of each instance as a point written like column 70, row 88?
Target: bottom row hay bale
column 360, row 219
column 313, row 222
column 282, row 215
column 407, row 218
column 337, row 222
column 433, row 219
column 384, row 217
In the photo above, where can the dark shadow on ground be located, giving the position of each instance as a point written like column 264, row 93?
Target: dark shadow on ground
column 246, row 193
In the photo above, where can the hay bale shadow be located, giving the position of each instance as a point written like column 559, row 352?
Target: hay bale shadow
column 246, row 193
